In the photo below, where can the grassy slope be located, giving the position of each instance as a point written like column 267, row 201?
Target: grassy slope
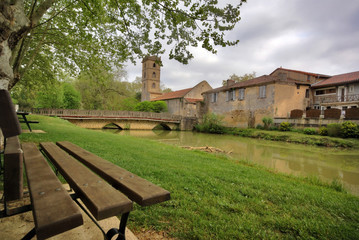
column 214, row 197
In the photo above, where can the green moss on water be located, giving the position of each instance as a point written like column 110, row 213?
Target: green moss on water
column 213, row 197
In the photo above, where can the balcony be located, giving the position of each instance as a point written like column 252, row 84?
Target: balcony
column 348, row 98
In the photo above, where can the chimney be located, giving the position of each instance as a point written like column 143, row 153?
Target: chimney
column 230, row 82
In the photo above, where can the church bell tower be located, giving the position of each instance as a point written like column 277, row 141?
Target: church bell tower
column 151, row 70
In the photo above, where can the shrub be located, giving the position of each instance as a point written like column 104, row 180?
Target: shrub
column 159, row 106
column 259, row 126
column 273, row 128
column 285, row 126
column 310, row 131
column 267, row 121
column 147, row 106
column 349, row 130
column 334, row 129
column 323, row 131
column 211, row 123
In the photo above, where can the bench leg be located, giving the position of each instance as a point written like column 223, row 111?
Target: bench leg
column 27, row 123
column 29, row 235
column 121, row 231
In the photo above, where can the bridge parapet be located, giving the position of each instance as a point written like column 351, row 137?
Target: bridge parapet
column 76, row 113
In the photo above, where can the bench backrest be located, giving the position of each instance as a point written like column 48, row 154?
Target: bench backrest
column 9, row 122
column 10, row 127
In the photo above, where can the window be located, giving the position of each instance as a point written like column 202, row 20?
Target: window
column 153, row 85
column 230, row 95
column 351, row 88
column 306, row 93
column 153, row 74
column 154, row 64
column 214, row 97
column 262, row 91
column 241, row 94
column 308, row 78
column 233, row 94
column 298, row 86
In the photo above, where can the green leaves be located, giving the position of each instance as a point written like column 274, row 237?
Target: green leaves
column 72, row 36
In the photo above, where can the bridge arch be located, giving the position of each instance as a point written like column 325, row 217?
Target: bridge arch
column 112, row 126
column 162, row 126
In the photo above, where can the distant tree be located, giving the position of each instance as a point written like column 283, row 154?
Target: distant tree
column 242, row 78
column 71, row 98
column 50, row 97
column 128, row 104
column 165, row 89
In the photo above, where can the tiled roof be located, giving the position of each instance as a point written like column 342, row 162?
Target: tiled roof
column 297, row 71
column 252, row 82
column 193, row 100
column 338, row 80
column 172, row 95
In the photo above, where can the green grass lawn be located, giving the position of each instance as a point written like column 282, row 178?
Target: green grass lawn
column 214, row 197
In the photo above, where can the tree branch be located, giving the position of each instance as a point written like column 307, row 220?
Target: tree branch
column 41, row 10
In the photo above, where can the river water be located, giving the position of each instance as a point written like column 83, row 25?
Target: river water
column 326, row 163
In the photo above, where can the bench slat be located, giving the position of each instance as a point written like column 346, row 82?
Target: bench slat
column 136, row 188
column 53, row 209
column 100, row 198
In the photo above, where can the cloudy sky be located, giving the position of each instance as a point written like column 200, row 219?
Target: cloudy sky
column 319, row 36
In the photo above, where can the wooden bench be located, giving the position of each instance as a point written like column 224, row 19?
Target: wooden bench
column 53, row 209
column 106, row 189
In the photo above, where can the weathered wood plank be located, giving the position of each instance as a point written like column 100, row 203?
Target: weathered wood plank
column 136, row 188
column 100, row 198
column 53, row 209
column 13, row 176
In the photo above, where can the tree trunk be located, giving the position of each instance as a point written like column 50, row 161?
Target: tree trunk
column 14, row 25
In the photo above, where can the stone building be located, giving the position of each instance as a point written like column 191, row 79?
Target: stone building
column 185, row 102
column 340, row 91
column 151, row 75
column 244, row 104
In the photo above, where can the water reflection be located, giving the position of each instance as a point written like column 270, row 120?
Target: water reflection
column 328, row 164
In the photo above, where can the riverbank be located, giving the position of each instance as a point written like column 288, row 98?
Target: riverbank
column 214, row 197
column 296, row 137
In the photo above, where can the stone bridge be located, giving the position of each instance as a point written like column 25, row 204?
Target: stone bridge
column 98, row 119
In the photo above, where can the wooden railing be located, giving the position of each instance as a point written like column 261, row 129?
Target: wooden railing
column 335, row 98
column 76, row 113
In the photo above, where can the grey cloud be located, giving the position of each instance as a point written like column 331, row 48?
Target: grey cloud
column 317, row 36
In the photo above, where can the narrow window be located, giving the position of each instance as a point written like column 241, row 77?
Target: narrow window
column 153, row 74
column 233, row 94
column 241, row 94
column 351, row 88
column 262, row 91
column 153, row 85
column 214, row 97
column 227, row 96
column 154, row 64
column 306, row 93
